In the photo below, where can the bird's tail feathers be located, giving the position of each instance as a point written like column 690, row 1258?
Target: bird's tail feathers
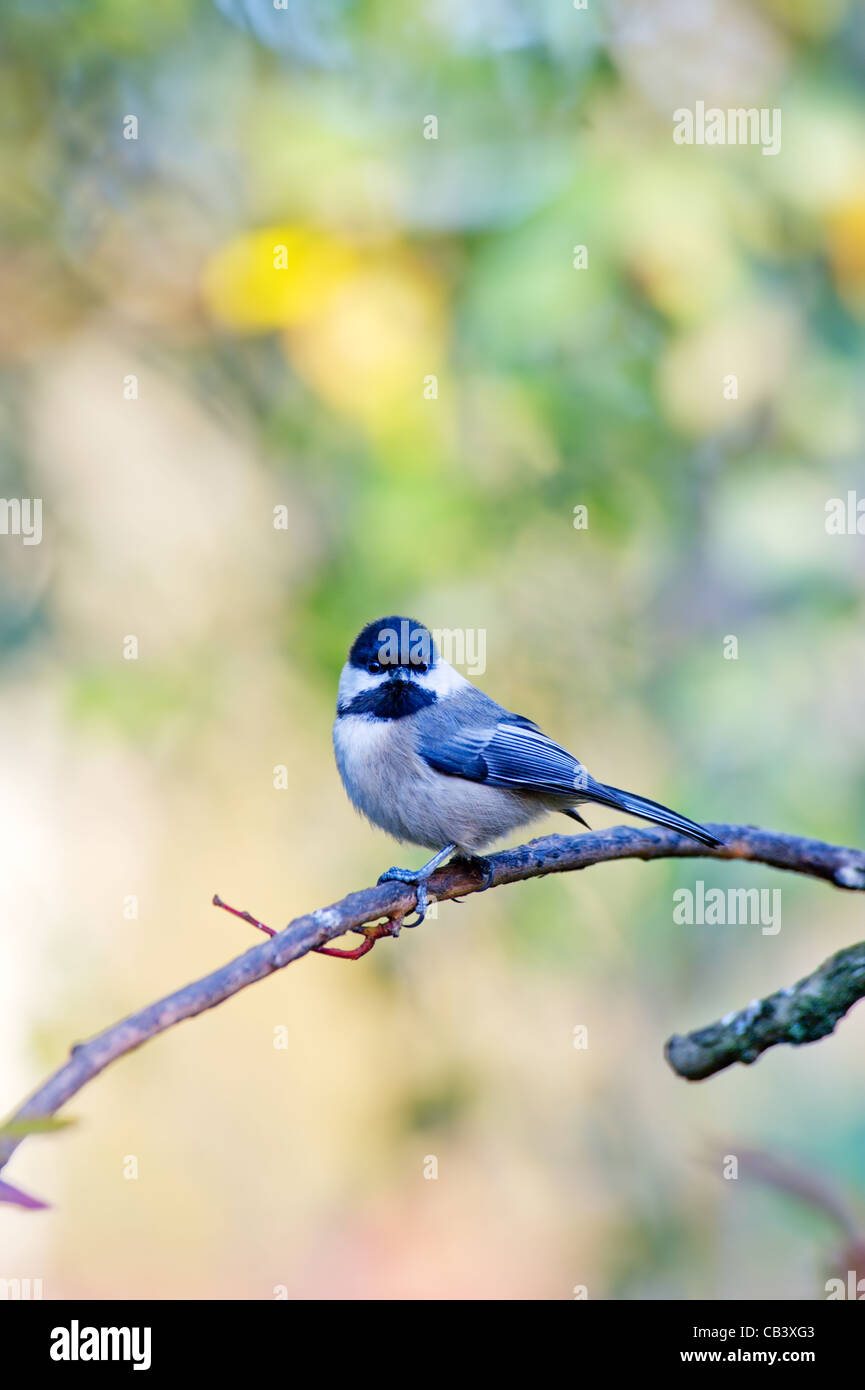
column 648, row 810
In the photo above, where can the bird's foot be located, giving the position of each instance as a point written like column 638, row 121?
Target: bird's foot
column 414, row 876
column 479, row 864
column 418, row 877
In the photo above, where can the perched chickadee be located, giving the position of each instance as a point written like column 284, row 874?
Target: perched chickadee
column 429, row 758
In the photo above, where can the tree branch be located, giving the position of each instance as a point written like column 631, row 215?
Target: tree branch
column 803, row 1013
column 393, row 901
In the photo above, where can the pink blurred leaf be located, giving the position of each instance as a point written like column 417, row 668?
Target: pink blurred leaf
column 8, row 1193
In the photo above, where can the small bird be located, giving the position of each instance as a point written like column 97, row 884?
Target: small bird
column 431, row 759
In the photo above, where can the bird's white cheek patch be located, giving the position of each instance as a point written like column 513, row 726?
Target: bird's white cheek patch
column 443, row 680
column 353, row 681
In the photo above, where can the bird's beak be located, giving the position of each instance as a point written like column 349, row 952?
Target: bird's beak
column 399, row 673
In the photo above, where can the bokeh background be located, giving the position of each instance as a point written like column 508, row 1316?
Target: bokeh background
column 301, row 1167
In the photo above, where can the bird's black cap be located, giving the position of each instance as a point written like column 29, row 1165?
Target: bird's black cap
column 394, row 641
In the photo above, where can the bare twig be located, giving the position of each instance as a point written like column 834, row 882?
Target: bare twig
column 393, row 901
column 807, row 1185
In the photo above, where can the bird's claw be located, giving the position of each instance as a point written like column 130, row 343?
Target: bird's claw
column 479, row 864
column 401, row 875
column 421, row 906
column 418, row 881
column 487, row 869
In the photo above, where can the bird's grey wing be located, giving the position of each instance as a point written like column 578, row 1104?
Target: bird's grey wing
column 513, row 753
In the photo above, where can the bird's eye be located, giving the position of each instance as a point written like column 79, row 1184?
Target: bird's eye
column 374, row 667
column 420, row 666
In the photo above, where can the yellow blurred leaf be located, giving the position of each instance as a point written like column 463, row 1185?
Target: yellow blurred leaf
column 846, row 251
column 370, row 350
column 276, row 276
